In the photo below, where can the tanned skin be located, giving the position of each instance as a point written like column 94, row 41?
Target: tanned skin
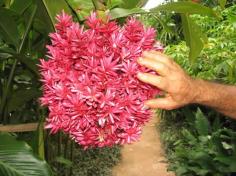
column 180, row 89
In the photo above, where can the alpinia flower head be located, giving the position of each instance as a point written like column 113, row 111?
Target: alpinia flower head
column 90, row 83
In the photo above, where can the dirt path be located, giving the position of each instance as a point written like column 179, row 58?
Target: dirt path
column 144, row 158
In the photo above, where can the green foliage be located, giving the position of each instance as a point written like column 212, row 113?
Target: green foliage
column 168, row 26
column 193, row 36
column 198, row 140
column 217, row 60
column 133, row 3
column 171, row 27
column 120, row 12
column 114, row 3
column 80, row 162
column 93, row 162
column 55, row 8
column 81, row 8
column 24, row 29
column 16, row 157
column 203, row 151
column 8, row 27
column 201, row 124
column 185, row 7
column 24, row 33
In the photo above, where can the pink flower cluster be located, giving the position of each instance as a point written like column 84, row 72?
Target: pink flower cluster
column 90, row 83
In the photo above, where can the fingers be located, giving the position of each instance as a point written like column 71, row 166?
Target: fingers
column 159, row 67
column 158, row 56
column 161, row 103
column 154, row 80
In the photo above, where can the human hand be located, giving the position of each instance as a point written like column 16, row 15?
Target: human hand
column 179, row 88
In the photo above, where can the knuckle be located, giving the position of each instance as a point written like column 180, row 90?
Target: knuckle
column 160, row 66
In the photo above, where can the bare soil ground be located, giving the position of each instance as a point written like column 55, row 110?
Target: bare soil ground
column 143, row 158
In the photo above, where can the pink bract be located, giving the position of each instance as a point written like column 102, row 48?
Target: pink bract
column 89, row 80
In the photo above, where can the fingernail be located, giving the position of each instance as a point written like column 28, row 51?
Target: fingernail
column 145, row 107
column 144, row 53
column 146, row 103
column 140, row 75
column 140, row 60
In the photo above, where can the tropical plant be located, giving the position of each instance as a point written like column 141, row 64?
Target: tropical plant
column 198, row 140
column 206, row 150
column 17, row 159
column 24, row 29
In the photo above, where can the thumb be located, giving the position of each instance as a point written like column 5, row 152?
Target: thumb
column 162, row 103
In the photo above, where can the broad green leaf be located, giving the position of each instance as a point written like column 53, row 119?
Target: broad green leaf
column 189, row 137
column 222, row 3
column 114, row 3
column 216, row 124
column 99, row 5
column 31, row 64
column 226, row 146
column 181, row 170
column 200, row 155
column 17, row 159
column 5, row 56
column 43, row 19
column 227, row 160
column 201, row 123
column 55, row 7
column 18, row 50
column 28, row 26
column 133, row 4
column 20, row 97
column 7, row 3
column 81, row 7
column 193, row 36
column 185, row 7
column 120, row 12
column 189, row 115
column 19, row 6
column 8, row 27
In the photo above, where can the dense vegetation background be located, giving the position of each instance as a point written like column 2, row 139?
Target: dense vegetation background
column 198, row 140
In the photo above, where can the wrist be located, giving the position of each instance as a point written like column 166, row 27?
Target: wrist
column 197, row 90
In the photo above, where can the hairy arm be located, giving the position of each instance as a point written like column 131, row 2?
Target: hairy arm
column 219, row 96
column 180, row 89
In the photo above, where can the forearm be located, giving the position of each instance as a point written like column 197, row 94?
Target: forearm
column 218, row 96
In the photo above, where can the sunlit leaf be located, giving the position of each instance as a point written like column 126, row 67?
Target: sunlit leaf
column 193, row 36
column 133, row 4
column 114, row 3
column 120, row 12
column 55, row 7
column 185, row 7
column 82, row 8
column 222, row 3
column 17, row 159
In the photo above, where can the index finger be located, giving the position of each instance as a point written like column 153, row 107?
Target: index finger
column 159, row 67
column 158, row 56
